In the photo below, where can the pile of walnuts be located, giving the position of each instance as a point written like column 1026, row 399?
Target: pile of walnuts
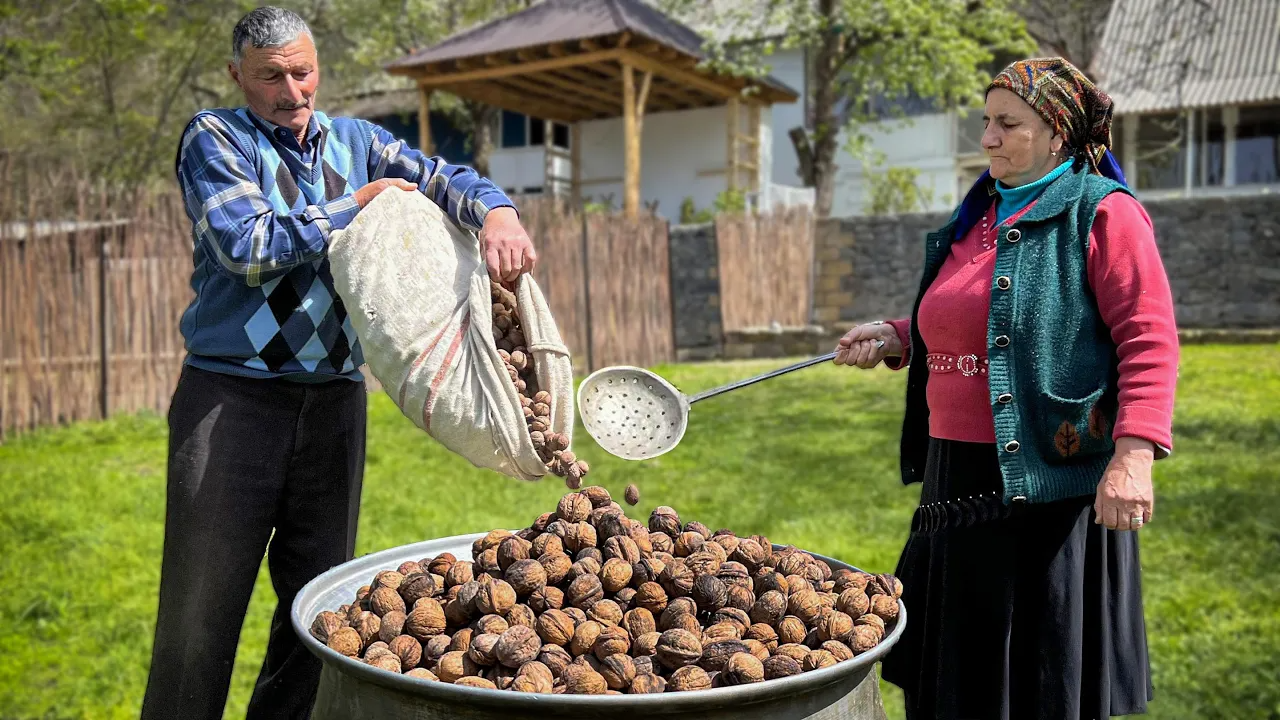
column 588, row 601
column 508, row 336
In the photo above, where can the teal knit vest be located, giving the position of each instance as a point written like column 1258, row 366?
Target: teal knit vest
column 1053, row 370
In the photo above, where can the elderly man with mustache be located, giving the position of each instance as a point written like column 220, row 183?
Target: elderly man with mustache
column 267, row 423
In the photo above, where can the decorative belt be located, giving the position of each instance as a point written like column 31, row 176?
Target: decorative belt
column 967, row 365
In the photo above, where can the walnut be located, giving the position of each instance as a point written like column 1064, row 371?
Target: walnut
column 661, row 542
column 407, row 649
column 616, row 574
column 853, row 602
column 741, row 669
column 795, row 651
column 582, row 680
column 385, row 599
column 517, row 646
column 545, row 543
column 434, row 648
column 716, row 653
column 422, row 674
column 491, row 540
column 526, row 577
column 556, row 658
column 610, row 523
column 451, row 667
column 492, row 624
column 780, row 666
column 651, row 597
column 677, row 579
column 623, row 548
column 488, row 561
column 709, row 593
column 459, row 573
column 417, row 586
column 618, row 671
column 796, row 583
column 392, row 626
column 677, row 648
column 769, row 608
column 534, row 677
column 495, row 598
column 612, row 639
column 475, row 682
column 367, row 627
column 749, row 553
column 388, row 579
column 573, row 507
column 805, row 605
column 864, row 638
column 482, row 650
column 555, row 627
column 793, row 563
column 763, row 633
column 326, row 623
column 522, row 615
column 345, row 640
column 606, row 612
column 567, row 457
column 695, row 526
column 716, row 549
column 646, row 644
column 461, row 640
column 511, row 550
column 836, row 626
column 632, row 494
column 584, row 636
column 426, row 619
column 665, row 520
column 593, row 554
column 722, row 631
column 585, row 591
column 689, row 678
column 676, row 608
column 818, row 659
column 387, row 662
column 645, row 570
column 885, row 607
column 791, row 629
column 703, row 563
column 733, row 615
column 735, row 573
column 638, row 621
column 688, row 543
column 577, row 614
column 578, row 536
column 556, row 565
column 410, row 567
column 501, row 675
column 588, row 660
column 741, row 598
column 838, row 650
column 686, row 622
column 758, row 649
column 624, row 597
column 541, row 409
column 647, row 683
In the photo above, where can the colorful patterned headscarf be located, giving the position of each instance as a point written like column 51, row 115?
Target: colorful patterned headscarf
column 1072, row 105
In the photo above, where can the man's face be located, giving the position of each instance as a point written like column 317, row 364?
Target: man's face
column 280, row 83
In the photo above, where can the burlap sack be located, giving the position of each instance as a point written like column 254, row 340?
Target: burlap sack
column 417, row 290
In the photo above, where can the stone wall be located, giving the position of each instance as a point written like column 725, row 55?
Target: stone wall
column 695, row 292
column 1222, row 256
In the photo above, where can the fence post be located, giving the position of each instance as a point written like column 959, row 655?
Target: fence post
column 586, row 292
column 103, row 346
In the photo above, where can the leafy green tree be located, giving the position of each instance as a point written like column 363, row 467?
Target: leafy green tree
column 865, row 54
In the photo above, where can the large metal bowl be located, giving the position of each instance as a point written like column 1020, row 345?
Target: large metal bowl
column 350, row 689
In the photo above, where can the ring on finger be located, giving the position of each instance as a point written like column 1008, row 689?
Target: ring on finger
column 1136, row 521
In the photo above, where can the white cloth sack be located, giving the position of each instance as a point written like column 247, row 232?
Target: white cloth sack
column 417, row 290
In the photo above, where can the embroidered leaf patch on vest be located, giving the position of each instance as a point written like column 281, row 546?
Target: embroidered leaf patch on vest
column 1099, row 426
column 1066, row 440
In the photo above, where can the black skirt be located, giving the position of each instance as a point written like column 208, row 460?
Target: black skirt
column 1031, row 614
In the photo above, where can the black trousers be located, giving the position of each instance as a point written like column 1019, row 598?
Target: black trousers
column 255, row 466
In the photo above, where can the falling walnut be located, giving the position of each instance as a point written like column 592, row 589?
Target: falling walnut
column 509, row 337
column 588, row 601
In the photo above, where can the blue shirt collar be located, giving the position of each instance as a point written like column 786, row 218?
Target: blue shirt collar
column 284, row 134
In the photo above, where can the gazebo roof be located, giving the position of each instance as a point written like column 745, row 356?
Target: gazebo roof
column 561, row 60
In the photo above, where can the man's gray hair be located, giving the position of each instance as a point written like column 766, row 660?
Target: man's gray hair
column 266, row 27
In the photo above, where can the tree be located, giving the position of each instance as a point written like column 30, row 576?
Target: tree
column 1068, row 28
column 866, row 57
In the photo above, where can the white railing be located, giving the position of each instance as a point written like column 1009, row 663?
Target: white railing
column 773, row 195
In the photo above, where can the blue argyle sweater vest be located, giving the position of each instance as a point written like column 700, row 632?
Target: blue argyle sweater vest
column 292, row 326
column 1053, row 372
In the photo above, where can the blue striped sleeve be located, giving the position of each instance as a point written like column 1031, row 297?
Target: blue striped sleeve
column 233, row 218
column 461, row 192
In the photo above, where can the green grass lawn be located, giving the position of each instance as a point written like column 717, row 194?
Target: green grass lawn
column 809, row 459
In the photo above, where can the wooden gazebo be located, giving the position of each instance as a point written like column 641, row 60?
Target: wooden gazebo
column 594, row 59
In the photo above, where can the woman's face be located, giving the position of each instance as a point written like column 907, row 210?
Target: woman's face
column 1018, row 141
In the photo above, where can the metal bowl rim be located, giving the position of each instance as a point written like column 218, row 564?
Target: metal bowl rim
column 768, row 690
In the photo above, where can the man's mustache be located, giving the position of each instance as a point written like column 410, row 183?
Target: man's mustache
column 294, row 106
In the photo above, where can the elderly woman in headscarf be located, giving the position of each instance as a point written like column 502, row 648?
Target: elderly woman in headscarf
column 1042, row 358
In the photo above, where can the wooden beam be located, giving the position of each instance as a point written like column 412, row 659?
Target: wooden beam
column 631, row 138
column 684, row 77
column 513, row 68
column 500, row 97
column 601, row 181
column 753, row 144
column 547, row 94
column 600, row 80
column 612, row 100
column 424, row 121
column 575, row 160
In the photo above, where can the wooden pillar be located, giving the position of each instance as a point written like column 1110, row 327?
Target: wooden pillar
column 549, row 174
column 731, row 133
column 575, row 159
column 424, row 120
column 753, row 143
column 632, row 126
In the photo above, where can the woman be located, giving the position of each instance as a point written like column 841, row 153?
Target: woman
column 1042, row 356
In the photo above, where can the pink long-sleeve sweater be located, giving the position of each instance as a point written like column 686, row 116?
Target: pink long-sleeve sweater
column 1132, row 290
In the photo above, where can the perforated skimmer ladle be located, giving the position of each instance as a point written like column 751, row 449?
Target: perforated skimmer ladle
column 636, row 414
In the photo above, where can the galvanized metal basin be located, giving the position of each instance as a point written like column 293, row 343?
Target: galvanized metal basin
column 349, row 689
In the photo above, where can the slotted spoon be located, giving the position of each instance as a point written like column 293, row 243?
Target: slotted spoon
column 635, row 414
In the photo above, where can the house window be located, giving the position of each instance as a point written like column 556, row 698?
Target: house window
column 519, row 130
column 1257, row 152
column 1162, row 150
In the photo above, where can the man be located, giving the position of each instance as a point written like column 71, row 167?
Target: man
column 267, row 424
